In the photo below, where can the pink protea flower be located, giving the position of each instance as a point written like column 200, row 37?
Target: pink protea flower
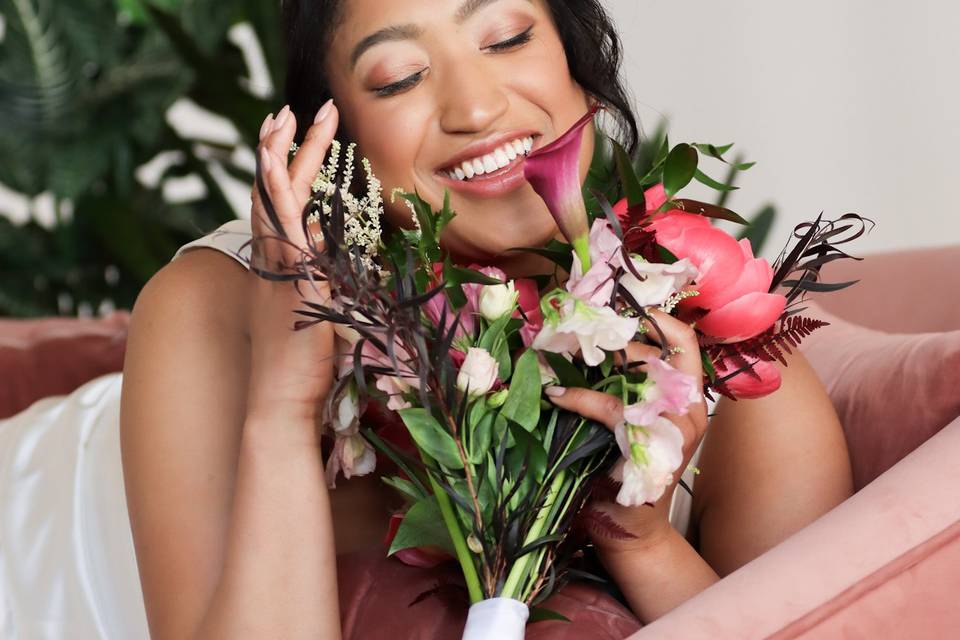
column 668, row 390
column 554, row 173
column 733, row 302
column 745, row 386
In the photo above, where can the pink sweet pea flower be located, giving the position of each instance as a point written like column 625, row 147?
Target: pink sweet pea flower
column 668, row 390
column 652, row 454
column 595, row 287
column 764, row 380
column 575, row 326
column 733, row 302
column 554, row 173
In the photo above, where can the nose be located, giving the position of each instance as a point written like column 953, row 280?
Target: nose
column 471, row 102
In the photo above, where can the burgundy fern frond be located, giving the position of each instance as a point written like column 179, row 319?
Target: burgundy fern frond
column 769, row 345
column 601, row 523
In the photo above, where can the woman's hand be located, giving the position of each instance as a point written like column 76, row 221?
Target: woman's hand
column 648, row 523
column 290, row 371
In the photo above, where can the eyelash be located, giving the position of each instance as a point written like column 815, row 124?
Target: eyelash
column 516, row 41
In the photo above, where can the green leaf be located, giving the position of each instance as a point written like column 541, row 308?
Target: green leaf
column 495, row 340
column 703, row 178
column 422, row 525
column 431, row 437
column 708, row 210
column 714, row 151
column 540, row 614
column 567, row 372
column 759, row 228
column 523, row 400
column 631, row 184
column 482, row 436
column 404, row 486
column 708, row 367
column 679, row 168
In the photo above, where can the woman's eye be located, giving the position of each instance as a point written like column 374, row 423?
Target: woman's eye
column 512, row 43
column 402, row 85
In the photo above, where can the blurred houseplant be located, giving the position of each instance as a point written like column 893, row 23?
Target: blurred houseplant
column 85, row 88
column 85, row 91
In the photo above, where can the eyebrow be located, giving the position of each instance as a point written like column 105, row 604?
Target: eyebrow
column 412, row 31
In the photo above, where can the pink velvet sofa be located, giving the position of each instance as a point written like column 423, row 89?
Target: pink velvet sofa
column 884, row 564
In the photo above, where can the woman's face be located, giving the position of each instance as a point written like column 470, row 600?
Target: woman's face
column 432, row 90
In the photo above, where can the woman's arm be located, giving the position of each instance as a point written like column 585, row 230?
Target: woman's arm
column 225, row 484
column 229, row 512
column 658, row 572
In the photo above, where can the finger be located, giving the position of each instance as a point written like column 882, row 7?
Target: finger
column 288, row 209
column 593, row 405
column 310, row 156
column 257, row 216
column 273, row 156
column 681, row 339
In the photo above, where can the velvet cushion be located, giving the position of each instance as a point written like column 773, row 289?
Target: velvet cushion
column 383, row 599
column 54, row 356
column 892, row 391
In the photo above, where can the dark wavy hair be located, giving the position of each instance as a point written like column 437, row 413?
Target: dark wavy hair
column 593, row 48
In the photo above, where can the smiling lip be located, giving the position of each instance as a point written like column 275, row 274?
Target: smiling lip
column 495, row 183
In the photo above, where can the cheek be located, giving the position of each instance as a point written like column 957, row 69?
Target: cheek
column 390, row 137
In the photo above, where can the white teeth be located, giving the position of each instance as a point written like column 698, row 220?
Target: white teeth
column 497, row 159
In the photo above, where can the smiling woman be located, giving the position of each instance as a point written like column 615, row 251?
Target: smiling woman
column 235, row 532
column 459, row 92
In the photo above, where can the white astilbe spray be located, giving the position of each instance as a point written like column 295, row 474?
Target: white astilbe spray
column 362, row 215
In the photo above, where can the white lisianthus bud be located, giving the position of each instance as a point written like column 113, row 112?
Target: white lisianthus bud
column 478, row 372
column 497, row 300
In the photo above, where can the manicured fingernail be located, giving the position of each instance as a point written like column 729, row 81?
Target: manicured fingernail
column 281, row 118
column 266, row 126
column 324, row 111
column 555, row 391
column 265, row 159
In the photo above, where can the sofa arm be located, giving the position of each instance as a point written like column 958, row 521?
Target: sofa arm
column 898, row 513
column 899, row 291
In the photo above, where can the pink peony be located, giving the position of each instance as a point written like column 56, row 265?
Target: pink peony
column 747, row 386
column 733, row 302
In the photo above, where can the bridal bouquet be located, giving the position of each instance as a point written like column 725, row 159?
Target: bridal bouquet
column 495, row 476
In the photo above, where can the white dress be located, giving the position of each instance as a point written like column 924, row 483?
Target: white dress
column 67, row 563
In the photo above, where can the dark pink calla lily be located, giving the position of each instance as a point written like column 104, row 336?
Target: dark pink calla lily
column 554, row 173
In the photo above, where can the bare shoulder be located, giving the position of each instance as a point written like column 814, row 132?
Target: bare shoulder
column 182, row 411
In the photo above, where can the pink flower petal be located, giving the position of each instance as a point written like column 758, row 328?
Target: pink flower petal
column 743, row 318
column 764, row 380
column 554, row 173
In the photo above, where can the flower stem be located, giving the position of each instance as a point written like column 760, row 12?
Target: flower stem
column 464, row 555
column 581, row 247
column 518, row 574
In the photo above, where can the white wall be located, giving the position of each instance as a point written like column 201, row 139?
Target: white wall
column 847, row 105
